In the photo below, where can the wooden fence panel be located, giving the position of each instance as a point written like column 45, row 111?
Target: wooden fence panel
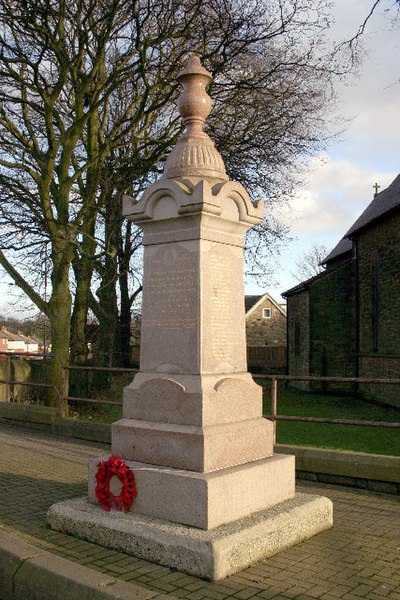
column 267, row 357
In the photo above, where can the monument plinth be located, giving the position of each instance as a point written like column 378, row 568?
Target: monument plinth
column 192, row 428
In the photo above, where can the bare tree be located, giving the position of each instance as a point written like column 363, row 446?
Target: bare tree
column 87, row 112
column 311, row 262
column 391, row 8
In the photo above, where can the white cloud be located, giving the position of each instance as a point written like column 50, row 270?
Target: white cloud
column 336, row 193
column 340, row 182
column 372, row 99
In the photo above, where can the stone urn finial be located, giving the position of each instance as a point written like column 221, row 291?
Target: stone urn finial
column 194, row 103
column 195, row 154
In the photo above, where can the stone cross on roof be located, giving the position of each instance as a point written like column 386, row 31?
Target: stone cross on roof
column 376, row 188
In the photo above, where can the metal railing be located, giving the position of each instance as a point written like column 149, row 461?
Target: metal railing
column 363, row 423
column 274, row 379
column 63, row 399
column 106, row 369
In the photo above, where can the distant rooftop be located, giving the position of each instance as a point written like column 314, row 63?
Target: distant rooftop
column 27, row 338
column 250, row 301
column 10, row 335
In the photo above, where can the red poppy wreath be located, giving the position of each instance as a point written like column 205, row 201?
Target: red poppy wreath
column 107, row 469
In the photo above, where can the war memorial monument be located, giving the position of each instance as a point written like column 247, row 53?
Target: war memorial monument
column 193, row 482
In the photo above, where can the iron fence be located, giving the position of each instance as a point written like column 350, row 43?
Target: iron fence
column 274, row 416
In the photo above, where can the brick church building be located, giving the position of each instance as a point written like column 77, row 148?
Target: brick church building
column 345, row 322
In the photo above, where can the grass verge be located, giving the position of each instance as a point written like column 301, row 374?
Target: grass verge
column 373, row 440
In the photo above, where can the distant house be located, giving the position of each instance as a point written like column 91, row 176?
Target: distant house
column 3, row 342
column 265, row 321
column 31, row 344
column 17, row 342
column 344, row 322
column 265, row 333
column 14, row 342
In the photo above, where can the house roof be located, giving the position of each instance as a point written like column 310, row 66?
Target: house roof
column 13, row 337
column 385, row 201
column 27, row 338
column 251, row 302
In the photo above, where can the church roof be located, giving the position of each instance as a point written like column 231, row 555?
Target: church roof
column 387, row 200
column 304, row 285
column 384, row 202
column 345, row 245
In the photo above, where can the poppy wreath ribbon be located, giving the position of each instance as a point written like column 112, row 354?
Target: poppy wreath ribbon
column 115, row 466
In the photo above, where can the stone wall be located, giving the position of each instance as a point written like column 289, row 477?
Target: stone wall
column 18, row 370
column 266, row 332
column 379, row 251
column 299, row 336
column 333, row 333
column 379, row 275
column 322, row 329
column 383, row 367
column 24, row 370
column 337, row 314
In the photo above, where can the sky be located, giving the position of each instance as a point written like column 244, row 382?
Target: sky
column 339, row 182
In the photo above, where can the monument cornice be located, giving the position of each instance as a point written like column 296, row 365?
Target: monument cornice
column 170, row 199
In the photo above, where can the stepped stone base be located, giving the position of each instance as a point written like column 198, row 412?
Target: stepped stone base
column 212, row 554
column 207, row 500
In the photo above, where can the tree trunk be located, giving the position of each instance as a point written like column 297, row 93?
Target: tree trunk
column 59, row 314
column 83, row 269
column 107, row 336
column 125, row 321
column 78, row 355
column 126, row 304
column 129, row 243
column 79, row 318
column 108, row 350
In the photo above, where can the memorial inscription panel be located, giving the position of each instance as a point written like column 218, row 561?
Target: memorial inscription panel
column 170, row 309
column 223, row 291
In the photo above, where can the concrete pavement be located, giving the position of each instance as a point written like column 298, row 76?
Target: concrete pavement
column 358, row 558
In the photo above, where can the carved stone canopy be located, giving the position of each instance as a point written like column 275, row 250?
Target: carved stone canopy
column 194, row 154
